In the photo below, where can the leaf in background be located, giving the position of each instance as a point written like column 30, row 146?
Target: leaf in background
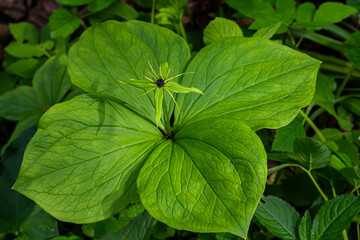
column 305, row 12
column 7, row 82
column 325, row 98
column 138, row 229
column 51, row 81
column 24, row 32
column 74, row 2
column 310, row 153
column 62, row 23
column 351, row 174
column 267, row 32
column 352, row 48
column 19, row 215
column 352, row 104
column 287, row 9
column 353, row 3
column 214, row 162
column 248, row 79
column 122, row 10
column 84, row 180
column 20, row 103
column 221, row 28
column 347, row 151
column 98, row 5
column 279, row 217
column 332, row 12
column 305, row 227
column 285, row 136
column 330, row 134
column 114, row 51
column 25, row 68
column 335, row 216
column 22, row 50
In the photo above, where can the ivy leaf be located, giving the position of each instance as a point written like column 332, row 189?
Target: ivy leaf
column 214, row 162
column 138, row 229
column 71, row 176
column 21, row 50
column 113, row 51
column 279, row 217
column 239, row 83
column 62, row 23
column 305, row 227
column 286, row 136
column 311, row 153
column 335, row 216
column 221, row 28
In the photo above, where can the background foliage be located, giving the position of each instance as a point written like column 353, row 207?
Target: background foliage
column 314, row 175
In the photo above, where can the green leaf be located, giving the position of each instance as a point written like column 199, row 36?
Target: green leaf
column 285, row 136
column 221, row 28
column 25, row 68
column 22, row 50
column 52, row 81
column 287, row 9
column 311, row 154
column 98, row 5
column 113, row 51
column 80, row 179
column 24, row 31
column 268, row 32
column 325, row 98
column 20, row 103
column 305, row 227
column 176, row 87
column 335, row 216
column 305, row 12
column 159, row 99
column 121, row 10
column 353, row 3
column 7, row 82
column 74, row 2
column 247, row 79
column 279, row 217
column 62, row 23
column 352, row 48
column 214, row 162
column 333, row 12
column 143, row 84
column 138, row 229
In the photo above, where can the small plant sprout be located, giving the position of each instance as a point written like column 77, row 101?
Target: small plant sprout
column 160, row 82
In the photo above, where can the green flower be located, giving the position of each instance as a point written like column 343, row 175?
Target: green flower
column 159, row 83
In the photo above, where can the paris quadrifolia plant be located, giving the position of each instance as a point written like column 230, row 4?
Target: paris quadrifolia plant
column 96, row 153
column 160, row 82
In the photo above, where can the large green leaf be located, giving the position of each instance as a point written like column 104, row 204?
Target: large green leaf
column 51, row 81
column 279, row 217
column 209, row 178
column 334, row 216
column 221, row 28
column 113, row 51
column 254, row 80
column 82, row 163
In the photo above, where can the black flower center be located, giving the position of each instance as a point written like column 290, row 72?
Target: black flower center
column 160, row 82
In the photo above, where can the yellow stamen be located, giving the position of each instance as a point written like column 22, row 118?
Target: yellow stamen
column 147, row 92
column 177, row 76
column 173, row 99
column 153, row 70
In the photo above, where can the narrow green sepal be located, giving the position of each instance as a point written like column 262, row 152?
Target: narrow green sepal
column 143, row 84
column 176, row 87
column 159, row 95
column 164, row 70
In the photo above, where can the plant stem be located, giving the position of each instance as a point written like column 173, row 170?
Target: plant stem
column 316, row 184
column 339, row 69
column 344, row 82
column 153, row 12
column 333, row 188
column 345, row 236
column 312, row 124
column 291, row 37
column 358, row 231
column 279, row 167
